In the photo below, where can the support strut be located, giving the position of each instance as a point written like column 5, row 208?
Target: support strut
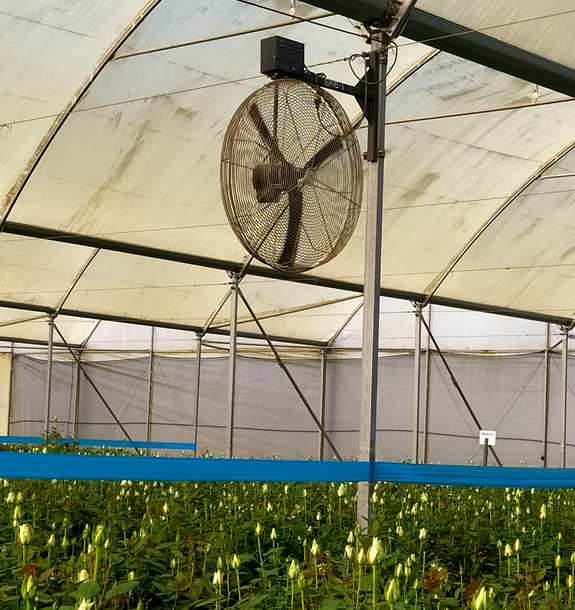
column 284, row 368
column 94, row 387
column 458, row 387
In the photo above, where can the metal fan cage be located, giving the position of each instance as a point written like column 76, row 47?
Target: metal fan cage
column 291, row 175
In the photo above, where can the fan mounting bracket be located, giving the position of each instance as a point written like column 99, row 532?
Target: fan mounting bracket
column 285, row 58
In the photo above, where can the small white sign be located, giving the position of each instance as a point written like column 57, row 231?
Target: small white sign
column 489, row 435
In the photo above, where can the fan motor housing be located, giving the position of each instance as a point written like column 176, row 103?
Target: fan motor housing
column 282, row 56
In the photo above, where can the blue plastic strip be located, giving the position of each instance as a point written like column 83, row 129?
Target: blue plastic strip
column 93, row 442
column 101, row 467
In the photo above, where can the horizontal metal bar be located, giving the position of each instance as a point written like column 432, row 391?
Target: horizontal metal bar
column 235, row 33
column 95, row 442
column 488, row 51
column 464, row 113
column 226, row 265
column 548, row 177
column 57, row 343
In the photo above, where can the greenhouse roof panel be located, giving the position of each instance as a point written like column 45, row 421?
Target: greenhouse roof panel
column 112, row 124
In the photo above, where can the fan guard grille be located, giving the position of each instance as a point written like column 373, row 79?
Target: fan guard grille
column 291, row 175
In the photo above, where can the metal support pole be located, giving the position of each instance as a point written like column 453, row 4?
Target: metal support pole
column 49, row 375
column 416, row 383
column 197, row 390
column 150, row 389
column 485, row 452
column 565, row 388
column 371, row 291
column 427, row 390
column 546, row 363
column 234, row 288
column 94, row 386
column 323, row 364
column 458, row 388
column 289, row 375
column 11, row 394
column 76, row 398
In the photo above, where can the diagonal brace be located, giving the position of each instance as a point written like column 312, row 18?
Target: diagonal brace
column 288, row 374
column 110, row 411
column 458, row 387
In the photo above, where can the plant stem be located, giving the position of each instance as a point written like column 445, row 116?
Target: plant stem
column 374, row 584
column 239, row 591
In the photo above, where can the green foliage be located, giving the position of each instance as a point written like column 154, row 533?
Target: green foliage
column 171, row 546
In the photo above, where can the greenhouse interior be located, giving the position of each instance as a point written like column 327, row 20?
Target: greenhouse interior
column 279, row 280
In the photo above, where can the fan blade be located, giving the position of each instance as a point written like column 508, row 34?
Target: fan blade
column 324, row 153
column 270, row 141
column 295, row 208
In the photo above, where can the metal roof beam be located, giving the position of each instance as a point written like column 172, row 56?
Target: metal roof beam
column 265, row 272
column 488, row 51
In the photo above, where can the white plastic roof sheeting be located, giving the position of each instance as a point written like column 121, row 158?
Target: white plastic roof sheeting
column 105, row 136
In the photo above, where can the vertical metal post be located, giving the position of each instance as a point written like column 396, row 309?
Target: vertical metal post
column 565, row 352
column 77, row 396
column 323, row 364
column 425, row 457
column 232, row 364
column 150, row 389
column 11, row 394
column 546, row 363
column 416, row 383
column 485, row 451
column 197, row 389
column 371, row 291
column 49, row 374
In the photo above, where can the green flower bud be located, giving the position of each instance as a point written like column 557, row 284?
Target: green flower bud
column 480, row 600
column 236, row 563
column 259, row 530
column 392, row 592
column 293, row 570
column 98, row 535
column 314, row 550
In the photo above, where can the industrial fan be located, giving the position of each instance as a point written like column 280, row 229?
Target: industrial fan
column 291, row 173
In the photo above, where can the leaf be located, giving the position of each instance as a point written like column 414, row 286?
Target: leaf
column 125, row 587
column 330, row 604
column 45, row 574
column 88, row 590
column 472, row 587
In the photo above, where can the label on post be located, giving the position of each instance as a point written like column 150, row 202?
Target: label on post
column 489, row 435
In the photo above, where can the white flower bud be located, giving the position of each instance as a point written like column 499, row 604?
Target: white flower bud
column 83, row 575
column 25, row 534
column 375, row 553
column 314, row 550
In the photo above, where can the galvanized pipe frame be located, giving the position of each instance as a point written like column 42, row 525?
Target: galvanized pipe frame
column 234, row 292
column 322, row 393
column 546, row 395
column 564, row 392
column 49, row 361
column 197, row 389
column 94, row 386
column 150, row 389
column 293, row 382
column 416, row 384
column 372, row 281
column 458, row 388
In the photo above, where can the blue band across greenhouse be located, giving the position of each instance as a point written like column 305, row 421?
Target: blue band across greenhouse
column 94, row 442
column 24, row 465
